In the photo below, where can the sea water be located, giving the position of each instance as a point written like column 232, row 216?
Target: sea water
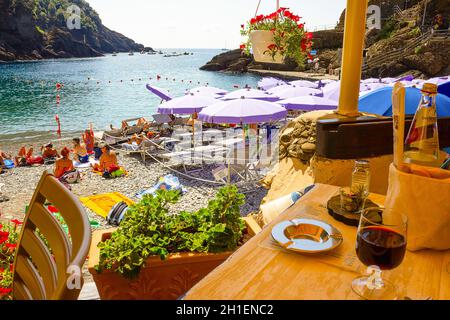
column 103, row 90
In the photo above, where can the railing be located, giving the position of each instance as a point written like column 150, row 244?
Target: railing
column 429, row 35
column 322, row 27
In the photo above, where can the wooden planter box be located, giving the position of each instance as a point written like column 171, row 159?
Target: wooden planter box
column 260, row 40
column 159, row 280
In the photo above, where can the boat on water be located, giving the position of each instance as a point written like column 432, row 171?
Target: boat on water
column 114, row 54
column 131, row 53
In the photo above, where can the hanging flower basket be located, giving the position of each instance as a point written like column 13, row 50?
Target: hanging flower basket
column 277, row 36
column 261, row 41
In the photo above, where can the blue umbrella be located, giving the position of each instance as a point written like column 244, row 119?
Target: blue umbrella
column 380, row 102
column 444, row 88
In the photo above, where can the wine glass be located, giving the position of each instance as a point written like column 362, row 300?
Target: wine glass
column 380, row 245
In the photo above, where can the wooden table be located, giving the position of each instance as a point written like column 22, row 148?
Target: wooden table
column 261, row 270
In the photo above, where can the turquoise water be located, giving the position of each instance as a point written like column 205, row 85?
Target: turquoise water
column 28, row 90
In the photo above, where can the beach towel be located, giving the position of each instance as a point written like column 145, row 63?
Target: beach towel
column 79, row 165
column 102, row 204
column 9, row 164
column 168, row 182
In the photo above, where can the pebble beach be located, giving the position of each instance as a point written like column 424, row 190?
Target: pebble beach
column 20, row 183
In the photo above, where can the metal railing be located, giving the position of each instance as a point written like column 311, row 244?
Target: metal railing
column 429, row 35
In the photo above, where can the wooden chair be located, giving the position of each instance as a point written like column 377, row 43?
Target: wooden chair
column 55, row 274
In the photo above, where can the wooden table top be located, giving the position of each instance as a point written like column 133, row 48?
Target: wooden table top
column 262, row 270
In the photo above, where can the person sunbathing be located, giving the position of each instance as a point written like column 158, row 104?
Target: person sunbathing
column 3, row 157
column 49, row 153
column 89, row 140
column 80, row 151
column 26, row 158
column 107, row 160
column 64, row 164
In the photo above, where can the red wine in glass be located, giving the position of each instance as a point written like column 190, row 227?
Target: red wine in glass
column 381, row 247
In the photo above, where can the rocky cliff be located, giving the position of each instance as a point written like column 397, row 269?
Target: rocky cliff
column 31, row 29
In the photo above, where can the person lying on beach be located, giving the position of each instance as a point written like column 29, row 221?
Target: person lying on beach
column 26, row 158
column 107, row 160
column 64, row 164
column 89, row 140
column 3, row 157
column 49, row 153
column 80, row 152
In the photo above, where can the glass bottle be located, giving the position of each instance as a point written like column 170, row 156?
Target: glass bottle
column 422, row 142
column 361, row 177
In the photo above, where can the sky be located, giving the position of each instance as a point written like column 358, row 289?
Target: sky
column 202, row 23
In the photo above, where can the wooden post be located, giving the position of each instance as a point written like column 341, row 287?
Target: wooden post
column 352, row 57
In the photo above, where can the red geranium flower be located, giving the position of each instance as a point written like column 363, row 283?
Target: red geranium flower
column 11, row 245
column 4, row 236
column 309, row 35
column 301, row 25
column 272, row 46
column 252, row 21
column 17, row 222
column 52, row 209
column 242, row 26
column 242, row 46
column 5, row 291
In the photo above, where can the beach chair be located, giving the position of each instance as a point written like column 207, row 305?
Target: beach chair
column 53, row 271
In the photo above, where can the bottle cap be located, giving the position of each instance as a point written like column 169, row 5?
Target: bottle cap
column 429, row 88
column 362, row 163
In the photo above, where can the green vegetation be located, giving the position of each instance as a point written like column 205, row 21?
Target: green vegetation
column 149, row 230
column 418, row 50
column 48, row 13
column 415, row 32
column 387, row 30
column 40, row 30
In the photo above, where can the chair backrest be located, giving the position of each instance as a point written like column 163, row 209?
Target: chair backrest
column 51, row 270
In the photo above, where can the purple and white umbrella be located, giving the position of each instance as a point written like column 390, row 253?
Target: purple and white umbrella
column 245, row 111
column 371, row 80
column 333, row 91
column 249, row 94
column 269, row 83
column 209, row 91
column 304, row 84
column 293, row 92
column 309, row 103
column 187, row 104
column 162, row 93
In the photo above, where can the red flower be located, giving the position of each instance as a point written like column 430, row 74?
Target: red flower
column 2, row 270
column 53, row 209
column 242, row 46
column 11, row 245
column 309, row 35
column 301, row 25
column 5, row 291
column 1, row 226
column 272, row 46
column 252, row 21
column 4, row 236
column 242, row 26
column 17, row 222
column 288, row 14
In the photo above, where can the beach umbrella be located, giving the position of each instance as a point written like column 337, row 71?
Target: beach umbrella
column 249, row 94
column 294, row 91
column 269, row 83
column 206, row 90
column 188, row 104
column 374, row 85
column 333, row 91
column 371, row 80
column 380, row 102
column 444, row 88
column 304, row 83
column 242, row 111
column 388, row 80
column 162, row 93
column 308, row 103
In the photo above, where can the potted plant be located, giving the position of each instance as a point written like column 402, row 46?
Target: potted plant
column 157, row 255
column 277, row 36
column 9, row 235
